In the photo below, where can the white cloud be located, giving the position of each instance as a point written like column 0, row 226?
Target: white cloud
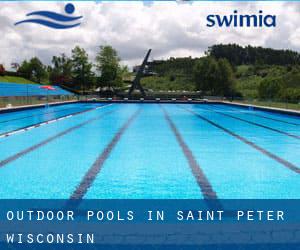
column 170, row 29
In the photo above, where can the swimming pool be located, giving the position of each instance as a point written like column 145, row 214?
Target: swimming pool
column 173, row 151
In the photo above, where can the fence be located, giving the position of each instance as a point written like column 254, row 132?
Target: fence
column 14, row 94
column 287, row 104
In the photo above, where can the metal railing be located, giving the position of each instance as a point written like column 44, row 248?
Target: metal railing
column 15, row 101
column 274, row 103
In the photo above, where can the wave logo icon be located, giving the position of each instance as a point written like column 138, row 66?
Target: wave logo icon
column 54, row 20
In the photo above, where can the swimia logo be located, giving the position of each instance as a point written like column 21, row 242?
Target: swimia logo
column 239, row 20
column 54, row 20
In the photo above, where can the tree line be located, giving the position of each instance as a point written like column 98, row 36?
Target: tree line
column 209, row 75
column 271, row 73
column 76, row 71
column 238, row 55
column 284, row 87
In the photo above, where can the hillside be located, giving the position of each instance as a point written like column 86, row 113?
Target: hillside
column 258, row 73
column 165, row 83
column 172, row 74
column 15, row 79
column 281, row 83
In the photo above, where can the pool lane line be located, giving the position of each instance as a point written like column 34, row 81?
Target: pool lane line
column 38, row 114
column 280, row 160
column 50, row 139
column 29, row 127
column 266, row 117
column 256, row 124
column 23, row 129
column 201, row 179
column 95, row 169
column 273, row 119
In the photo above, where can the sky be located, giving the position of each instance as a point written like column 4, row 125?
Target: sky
column 171, row 29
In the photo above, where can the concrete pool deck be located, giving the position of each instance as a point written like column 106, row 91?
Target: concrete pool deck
column 108, row 100
column 265, row 108
column 32, row 106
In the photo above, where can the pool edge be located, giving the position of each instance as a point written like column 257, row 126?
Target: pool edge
column 242, row 105
column 263, row 108
column 34, row 106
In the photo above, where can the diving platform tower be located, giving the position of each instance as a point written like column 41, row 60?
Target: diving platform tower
column 136, row 84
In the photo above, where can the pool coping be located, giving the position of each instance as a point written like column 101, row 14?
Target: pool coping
column 264, row 108
column 242, row 105
column 33, row 106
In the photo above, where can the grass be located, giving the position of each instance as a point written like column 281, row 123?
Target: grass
column 165, row 83
column 15, row 79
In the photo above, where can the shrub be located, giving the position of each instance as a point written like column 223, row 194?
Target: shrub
column 172, row 78
column 290, row 95
column 213, row 76
column 269, row 88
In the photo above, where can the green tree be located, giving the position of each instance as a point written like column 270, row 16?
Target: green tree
column 108, row 65
column 81, row 69
column 61, row 71
column 290, row 94
column 270, row 88
column 238, row 55
column 224, row 83
column 38, row 70
column 213, row 76
column 25, row 69
column 205, row 74
column 33, row 70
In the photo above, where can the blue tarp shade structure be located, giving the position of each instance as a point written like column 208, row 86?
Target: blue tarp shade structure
column 16, row 89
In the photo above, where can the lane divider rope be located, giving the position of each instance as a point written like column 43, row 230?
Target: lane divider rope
column 50, row 139
column 24, row 129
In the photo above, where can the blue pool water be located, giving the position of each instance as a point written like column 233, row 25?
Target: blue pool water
column 149, row 151
column 17, row 120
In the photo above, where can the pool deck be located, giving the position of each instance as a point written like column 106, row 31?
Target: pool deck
column 19, row 108
column 263, row 108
